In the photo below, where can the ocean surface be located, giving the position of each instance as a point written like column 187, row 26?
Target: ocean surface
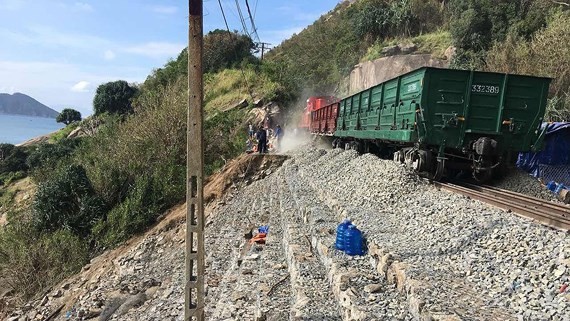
column 18, row 129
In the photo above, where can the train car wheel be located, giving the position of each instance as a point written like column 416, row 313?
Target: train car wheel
column 399, row 156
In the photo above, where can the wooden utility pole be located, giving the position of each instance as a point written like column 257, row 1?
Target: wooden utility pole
column 195, row 252
column 263, row 44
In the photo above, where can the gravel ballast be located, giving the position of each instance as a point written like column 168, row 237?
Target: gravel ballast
column 431, row 254
column 471, row 254
column 521, row 182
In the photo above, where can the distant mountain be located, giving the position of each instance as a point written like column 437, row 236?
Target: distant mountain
column 20, row 104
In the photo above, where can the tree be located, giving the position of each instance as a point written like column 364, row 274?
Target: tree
column 68, row 116
column 114, row 97
column 225, row 50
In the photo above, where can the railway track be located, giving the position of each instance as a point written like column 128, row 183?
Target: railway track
column 548, row 213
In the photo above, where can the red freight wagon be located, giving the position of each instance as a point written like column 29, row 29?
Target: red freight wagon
column 313, row 104
column 323, row 120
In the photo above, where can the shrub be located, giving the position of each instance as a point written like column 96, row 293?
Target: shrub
column 12, row 158
column 67, row 201
column 142, row 206
column 8, row 178
column 31, row 261
column 225, row 50
column 546, row 54
column 63, row 133
column 46, row 158
column 558, row 108
column 224, row 138
column 138, row 166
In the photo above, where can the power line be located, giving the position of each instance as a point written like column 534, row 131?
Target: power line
column 230, row 34
column 252, row 22
column 242, row 20
column 255, row 9
column 224, row 15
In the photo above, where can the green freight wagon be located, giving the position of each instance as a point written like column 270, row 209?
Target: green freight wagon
column 440, row 120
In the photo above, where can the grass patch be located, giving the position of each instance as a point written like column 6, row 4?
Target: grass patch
column 227, row 88
column 64, row 132
column 434, row 43
column 31, row 261
column 7, row 196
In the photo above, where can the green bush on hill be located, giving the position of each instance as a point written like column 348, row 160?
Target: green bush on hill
column 144, row 202
column 477, row 24
column 325, row 52
column 45, row 158
column 31, row 260
column 226, row 50
column 67, row 201
column 64, row 132
column 221, row 50
column 378, row 19
column 12, row 160
column 151, row 143
column 225, row 138
column 546, row 54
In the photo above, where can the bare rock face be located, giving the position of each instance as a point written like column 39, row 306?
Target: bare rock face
column 370, row 73
column 390, row 50
column 75, row 133
column 407, row 48
column 450, row 52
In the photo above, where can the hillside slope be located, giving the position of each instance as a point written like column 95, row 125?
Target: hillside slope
column 20, row 104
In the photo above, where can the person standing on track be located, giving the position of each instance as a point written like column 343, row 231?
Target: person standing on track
column 250, row 131
column 279, row 134
column 261, row 141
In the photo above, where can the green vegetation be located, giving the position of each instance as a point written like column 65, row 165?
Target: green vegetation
column 324, row 53
column 45, row 158
column 434, row 43
column 528, row 37
column 12, row 161
column 68, row 116
column 546, row 54
column 64, row 132
column 114, row 98
column 221, row 51
column 228, row 87
column 31, row 260
column 226, row 50
column 67, row 201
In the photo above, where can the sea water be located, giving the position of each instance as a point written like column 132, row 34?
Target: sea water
column 18, row 129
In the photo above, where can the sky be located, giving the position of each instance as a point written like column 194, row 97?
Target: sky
column 59, row 51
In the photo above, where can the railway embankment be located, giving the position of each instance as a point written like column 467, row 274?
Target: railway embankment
column 432, row 254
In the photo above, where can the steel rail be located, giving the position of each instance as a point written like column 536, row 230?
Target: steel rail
column 545, row 212
column 561, row 209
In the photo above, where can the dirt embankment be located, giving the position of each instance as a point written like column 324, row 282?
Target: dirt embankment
column 241, row 171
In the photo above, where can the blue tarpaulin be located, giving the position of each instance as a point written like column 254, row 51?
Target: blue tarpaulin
column 552, row 163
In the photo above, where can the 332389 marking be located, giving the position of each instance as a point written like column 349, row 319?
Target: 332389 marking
column 485, row 89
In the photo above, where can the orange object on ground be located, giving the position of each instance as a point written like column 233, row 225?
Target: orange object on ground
column 259, row 238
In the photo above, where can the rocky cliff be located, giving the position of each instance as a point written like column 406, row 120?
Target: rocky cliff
column 370, row 73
